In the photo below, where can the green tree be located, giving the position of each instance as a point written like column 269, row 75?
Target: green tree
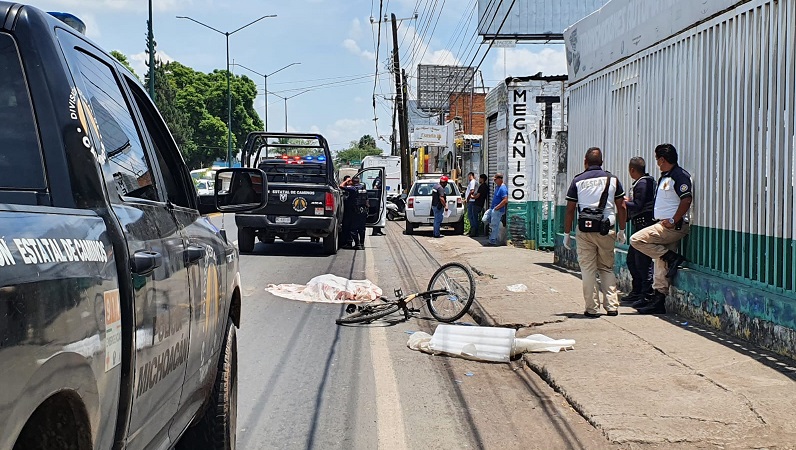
column 355, row 152
column 122, row 58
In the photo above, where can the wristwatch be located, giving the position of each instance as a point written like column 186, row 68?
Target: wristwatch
column 671, row 221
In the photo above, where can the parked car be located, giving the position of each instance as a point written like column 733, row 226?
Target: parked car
column 205, row 187
column 418, row 206
column 119, row 300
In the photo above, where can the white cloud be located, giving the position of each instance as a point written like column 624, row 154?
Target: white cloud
column 355, row 32
column 139, row 61
column 523, row 62
column 352, row 46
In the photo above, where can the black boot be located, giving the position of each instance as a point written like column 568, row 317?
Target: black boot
column 673, row 261
column 656, row 306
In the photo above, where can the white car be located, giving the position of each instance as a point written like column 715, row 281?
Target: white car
column 205, row 187
column 418, row 206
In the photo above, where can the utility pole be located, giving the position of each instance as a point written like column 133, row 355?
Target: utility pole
column 151, row 46
column 401, row 105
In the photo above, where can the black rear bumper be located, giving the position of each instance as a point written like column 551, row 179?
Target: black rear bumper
column 315, row 226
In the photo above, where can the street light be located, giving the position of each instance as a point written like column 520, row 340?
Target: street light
column 286, row 99
column 265, row 81
column 229, row 94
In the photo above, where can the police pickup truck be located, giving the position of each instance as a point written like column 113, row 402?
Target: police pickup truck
column 304, row 198
column 119, row 301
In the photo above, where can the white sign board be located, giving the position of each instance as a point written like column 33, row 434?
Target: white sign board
column 430, row 135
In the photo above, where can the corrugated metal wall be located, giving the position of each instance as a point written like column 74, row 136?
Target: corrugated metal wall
column 724, row 94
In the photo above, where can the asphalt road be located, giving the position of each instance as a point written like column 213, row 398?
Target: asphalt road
column 305, row 382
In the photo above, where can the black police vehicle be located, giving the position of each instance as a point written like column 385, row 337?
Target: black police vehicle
column 304, row 197
column 118, row 301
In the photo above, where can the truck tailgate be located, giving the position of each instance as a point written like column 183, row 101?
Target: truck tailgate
column 296, row 200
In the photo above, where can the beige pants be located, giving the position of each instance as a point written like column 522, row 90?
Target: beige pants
column 654, row 241
column 596, row 254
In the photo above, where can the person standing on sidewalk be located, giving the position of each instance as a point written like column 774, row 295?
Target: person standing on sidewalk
column 498, row 209
column 479, row 198
column 469, row 197
column 672, row 202
column 357, row 207
column 599, row 198
column 439, row 204
column 639, row 210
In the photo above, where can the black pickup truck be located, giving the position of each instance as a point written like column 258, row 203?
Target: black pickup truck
column 304, row 198
column 119, row 301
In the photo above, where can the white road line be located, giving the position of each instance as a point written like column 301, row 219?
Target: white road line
column 389, row 417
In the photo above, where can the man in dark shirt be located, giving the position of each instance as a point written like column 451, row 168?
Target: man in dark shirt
column 356, row 208
column 639, row 210
column 480, row 196
column 439, row 204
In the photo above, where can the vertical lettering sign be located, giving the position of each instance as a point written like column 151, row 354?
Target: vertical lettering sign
column 518, row 145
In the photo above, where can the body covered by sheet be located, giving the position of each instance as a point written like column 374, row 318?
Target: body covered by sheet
column 328, row 289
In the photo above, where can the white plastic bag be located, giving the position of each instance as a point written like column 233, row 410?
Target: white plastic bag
column 540, row 343
column 487, row 216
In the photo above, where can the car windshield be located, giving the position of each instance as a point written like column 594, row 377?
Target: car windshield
column 425, row 189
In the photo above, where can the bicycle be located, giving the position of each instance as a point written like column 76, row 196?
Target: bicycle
column 450, row 292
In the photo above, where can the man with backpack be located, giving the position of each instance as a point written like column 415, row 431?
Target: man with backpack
column 599, row 199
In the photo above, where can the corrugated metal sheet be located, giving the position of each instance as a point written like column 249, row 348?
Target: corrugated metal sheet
column 625, row 27
column 532, row 18
column 724, row 93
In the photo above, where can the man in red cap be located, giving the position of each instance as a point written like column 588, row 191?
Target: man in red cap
column 439, row 204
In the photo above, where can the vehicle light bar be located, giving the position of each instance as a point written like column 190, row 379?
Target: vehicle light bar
column 71, row 20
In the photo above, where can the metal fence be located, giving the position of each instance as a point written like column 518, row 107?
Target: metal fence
column 724, row 93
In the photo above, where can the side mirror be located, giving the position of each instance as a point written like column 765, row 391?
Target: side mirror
column 241, row 189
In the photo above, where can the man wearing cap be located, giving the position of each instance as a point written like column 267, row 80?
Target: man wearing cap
column 439, row 204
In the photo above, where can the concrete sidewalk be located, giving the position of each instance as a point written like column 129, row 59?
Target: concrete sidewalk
column 640, row 379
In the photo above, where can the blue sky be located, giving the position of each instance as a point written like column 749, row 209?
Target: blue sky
column 333, row 40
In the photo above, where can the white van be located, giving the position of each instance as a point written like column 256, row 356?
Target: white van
column 392, row 171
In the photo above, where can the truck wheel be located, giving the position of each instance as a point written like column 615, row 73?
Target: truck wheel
column 217, row 427
column 458, row 228
column 410, row 227
column 246, row 240
column 330, row 243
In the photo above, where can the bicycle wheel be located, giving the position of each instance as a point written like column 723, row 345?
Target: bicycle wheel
column 368, row 313
column 459, row 284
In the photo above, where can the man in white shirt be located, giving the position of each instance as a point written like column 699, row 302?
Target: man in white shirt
column 659, row 241
column 472, row 214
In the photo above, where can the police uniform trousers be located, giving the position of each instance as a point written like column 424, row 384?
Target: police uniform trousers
column 639, row 264
column 348, row 218
column 358, row 224
column 654, row 241
column 596, row 255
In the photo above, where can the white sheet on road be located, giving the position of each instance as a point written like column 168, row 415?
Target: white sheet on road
column 328, row 289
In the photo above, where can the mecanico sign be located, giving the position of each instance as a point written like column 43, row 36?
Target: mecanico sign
column 518, row 144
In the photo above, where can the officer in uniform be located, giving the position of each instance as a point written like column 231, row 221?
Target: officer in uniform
column 356, row 210
column 672, row 202
column 595, row 238
column 639, row 211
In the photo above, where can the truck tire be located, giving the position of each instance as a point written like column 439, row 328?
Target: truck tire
column 217, row 428
column 410, row 227
column 245, row 240
column 458, row 228
column 330, row 243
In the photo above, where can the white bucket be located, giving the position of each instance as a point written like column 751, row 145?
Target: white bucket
column 479, row 343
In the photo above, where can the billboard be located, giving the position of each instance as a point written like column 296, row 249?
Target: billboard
column 531, row 20
column 625, row 27
column 430, row 135
column 436, row 83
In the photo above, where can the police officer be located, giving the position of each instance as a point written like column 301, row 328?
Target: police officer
column 595, row 237
column 356, row 209
column 672, row 202
column 345, row 233
column 639, row 210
